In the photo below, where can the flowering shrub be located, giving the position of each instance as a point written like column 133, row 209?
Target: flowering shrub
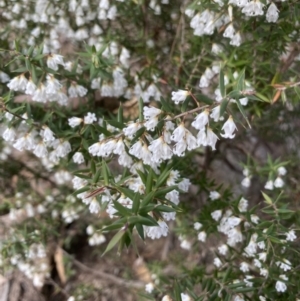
column 209, row 146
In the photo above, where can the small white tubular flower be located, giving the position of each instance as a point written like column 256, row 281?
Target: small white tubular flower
column 151, row 112
column 236, row 40
column 281, row 286
column 157, row 232
column 278, row 183
column 179, row 96
column 223, row 249
column 47, row 135
column 41, row 150
column 185, row 244
column 40, row 94
column 150, row 124
column 246, row 182
column 136, row 149
column 131, row 129
column 215, row 114
column 160, row 150
column 211, row 138
column 214, row 195
column 30, row 87
column 202, row 236
column 229, row 31
column 217, row 262
column 201, row 120
column 197, row 226
column 204, row 81
column 216, row 215
column 243, row 205
column 184, row 185
column 9, row 134
column 216, row 48
column 286, row 265
column 244, row 267
column 269, row 185
column 90, row 118
column 77, row 90
column 281, row 171
column 74, row 121
column 94, row 206
column 124, row 57
column 253, row 8
column 52, row 85
column 18, row 83
column 54, row 60
column 229, row 127
column 149, row 287
column 272, row 13
column 290, row 236
column 179, row 133
column 78, row 158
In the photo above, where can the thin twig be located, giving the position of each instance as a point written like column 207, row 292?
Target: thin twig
column 187, row 112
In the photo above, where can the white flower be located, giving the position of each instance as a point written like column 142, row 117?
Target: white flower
column 160, row 150
column 47, row 134
column 217, row 262
column 223, row 249
column 214, row 195
column 78, row 158
column 9, row 134
column 281, row 171
column 74, row 121
column 207, row 138
column 157, row 231
column 278, row 183
column 201, row 120
column 264, row 272
column 179, row 96
column 18, row 83
column 281, row 286
column 149, row 287
column 202, row 236
column 90, row 118
column 229, row 31
column 151, row 112
column 184, row 185
column 204, row 81
column 30, row 87
column 254, row 218
column 244, row 267
column 236, row 40
column 215, row 114
column 216, row 215
column 272, row 13
column 246, row 182
column 40, row 150
column 286, row 265
column 290, row 236
column 229, row 127
column 185, row 297
column 269, row 185
column 77, row 90
column 131, row 129
column 243, row 205
column 253, row 8
column 53, row 60
column 197, row 226
column 185, row 244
